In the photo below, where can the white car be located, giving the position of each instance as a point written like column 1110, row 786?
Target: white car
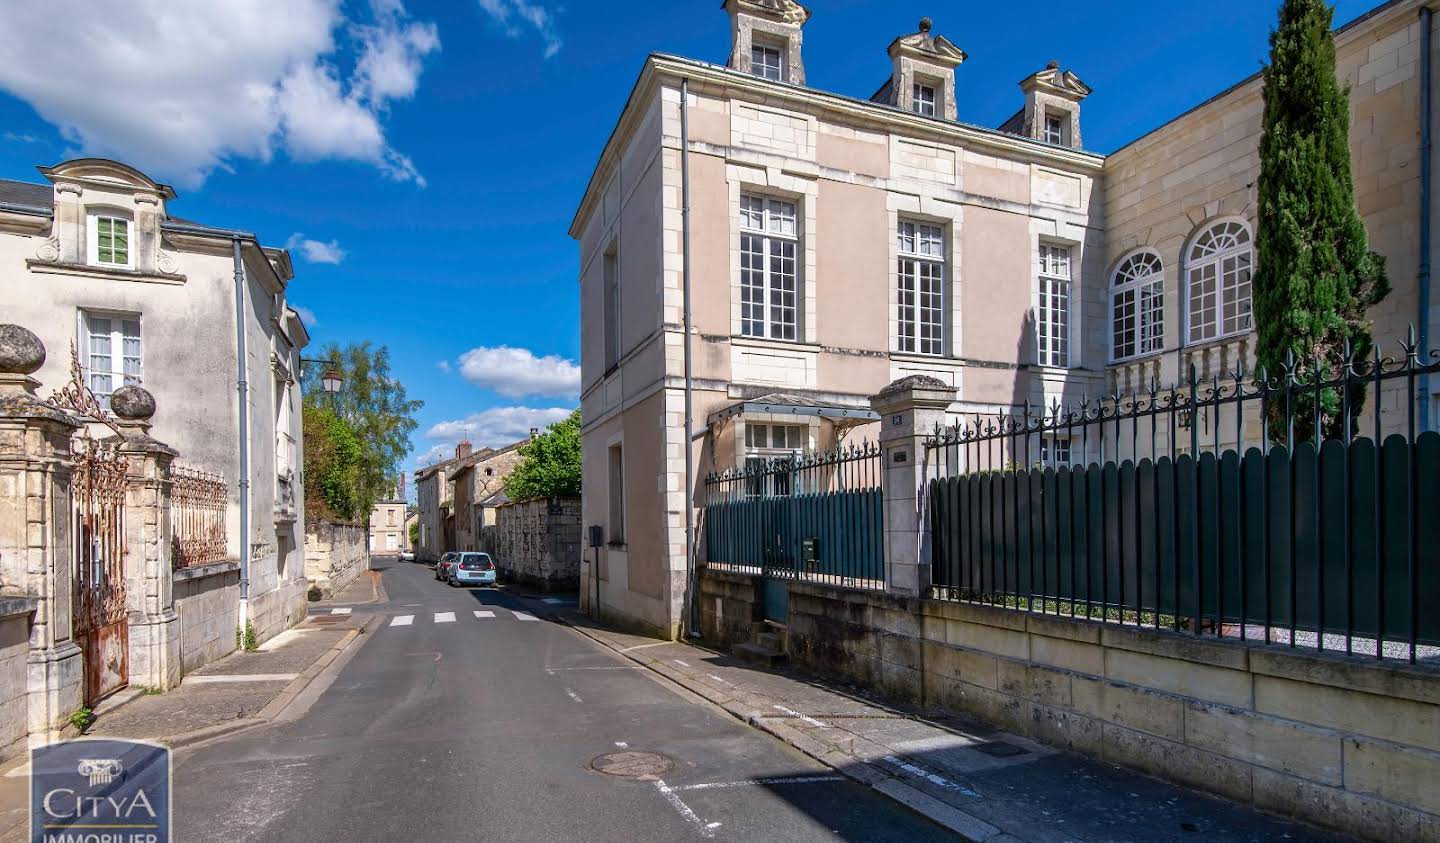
column 407, row 556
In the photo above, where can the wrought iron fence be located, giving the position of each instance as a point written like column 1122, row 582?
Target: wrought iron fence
column 1179, row 508
column 814, row 517
column 198, row 501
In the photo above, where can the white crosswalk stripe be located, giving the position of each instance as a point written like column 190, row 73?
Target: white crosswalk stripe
column 402, row 620
column 480, row 614
column 522, row 616
column 444, row 617
column 451, row 617
column 339, row 611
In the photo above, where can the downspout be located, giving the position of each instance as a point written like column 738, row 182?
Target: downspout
column 692, row 604
column 1423, row 292
column 243, row 397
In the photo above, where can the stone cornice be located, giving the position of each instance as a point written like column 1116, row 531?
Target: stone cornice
column 85, row 270
column 660, row 67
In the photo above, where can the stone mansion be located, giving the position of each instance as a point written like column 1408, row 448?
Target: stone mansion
column 839, row 243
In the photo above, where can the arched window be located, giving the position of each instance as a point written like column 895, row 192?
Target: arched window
column 1218, row 272
column 1137, row 306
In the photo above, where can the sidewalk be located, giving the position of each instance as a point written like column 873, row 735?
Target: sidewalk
column 240, row 691
column 984, row 784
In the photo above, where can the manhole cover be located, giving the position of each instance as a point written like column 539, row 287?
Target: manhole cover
column 999, row 749
column 645, row 766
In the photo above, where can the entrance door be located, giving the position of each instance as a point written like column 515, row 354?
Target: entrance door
column 779, row 558
column 100, row 617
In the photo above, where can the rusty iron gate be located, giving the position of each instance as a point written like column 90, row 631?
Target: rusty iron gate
column 97, row 530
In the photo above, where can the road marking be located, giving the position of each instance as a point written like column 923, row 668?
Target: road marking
column 682, row 664
column 761, row 782
column 412, row 605
column 436, row 656
column 523, row 616
column 551, row 600
column 929, row 776
column 574, row 696
column 482, row 614
column 684, row 810
column 444, row 617
column 793, row 713
column 239, row 677
column 643, row 646
column 621, row 744
column 616, row 667
column 402, row 620
column 717, row 679
column 340, row 611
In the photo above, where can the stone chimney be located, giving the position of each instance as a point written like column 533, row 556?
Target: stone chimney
column 463, row 449
column 1052, row 106
column 765, row 38
column 922, row 75
column 534, row 433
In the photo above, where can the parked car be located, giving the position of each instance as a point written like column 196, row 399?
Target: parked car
column 473, row 569
column 442, row 567
column 407, row 556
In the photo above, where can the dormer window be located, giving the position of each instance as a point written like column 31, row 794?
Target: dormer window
column 109, row 240
column 766, row 62
column 923, row 100
column 1055, row 130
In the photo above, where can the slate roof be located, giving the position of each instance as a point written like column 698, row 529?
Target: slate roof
column 24, row 193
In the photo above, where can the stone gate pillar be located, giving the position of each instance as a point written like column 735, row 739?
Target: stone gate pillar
column 909, row 409
column 35, row 551
column 154, row 633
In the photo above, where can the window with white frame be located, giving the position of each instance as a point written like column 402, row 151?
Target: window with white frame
column 920, row 288
column 769, row 277
column 112, row 352
column 109, row 240
column 765, row 443
column 1052, row 312
column 922, row 100
column 1054, row 129
column 767, row 62
column 1218, row 272
column 616, row 492
column 1137, row 307
column 1055, row 451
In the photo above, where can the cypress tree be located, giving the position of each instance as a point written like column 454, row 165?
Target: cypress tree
column 1315, row 276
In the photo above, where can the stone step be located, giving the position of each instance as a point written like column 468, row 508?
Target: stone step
column 771, row 640
column 759, row 654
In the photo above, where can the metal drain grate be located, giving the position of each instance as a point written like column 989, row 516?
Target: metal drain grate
column 999, row 749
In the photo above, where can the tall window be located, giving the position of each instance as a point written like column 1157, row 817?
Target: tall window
column 1219, row 279
column 766, row 63
column 1052, row 314
column 923, row 100
column 920, row 288
column 1137, row 307
column 1054, row 129
column 109, row 241
column 112, row 353
column 766, row 442
column 617, row 494
column 611, row 278
column 768, row 277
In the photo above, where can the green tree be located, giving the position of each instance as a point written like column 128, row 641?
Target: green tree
column 415, row 534
column 334, row 465
column 550, row 463
column 1315, row 276
column 374, row 405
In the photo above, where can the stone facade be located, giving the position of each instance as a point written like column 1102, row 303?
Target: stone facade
column 455, row 498
column 335, row 554
column 1343, row 743
column 847, row 174
column 537, row 542
column 388, row 535
column 14, row 693
column 207, row 603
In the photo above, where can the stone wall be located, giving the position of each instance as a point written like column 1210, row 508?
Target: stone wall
column 538, row 543
column 335, row 554
column 207, row 600
column 1347, row 743
column 15, row 615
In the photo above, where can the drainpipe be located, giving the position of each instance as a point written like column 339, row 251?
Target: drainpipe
column 692, row 604
column 1423, row 293
column 243, row 397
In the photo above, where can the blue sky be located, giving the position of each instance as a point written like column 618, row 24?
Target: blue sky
column 425, row 159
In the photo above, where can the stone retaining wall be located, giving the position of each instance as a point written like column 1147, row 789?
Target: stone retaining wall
column 207, row 600
column 15, row 614
column 335, row 554
column 537, row 542
column 1342, row 742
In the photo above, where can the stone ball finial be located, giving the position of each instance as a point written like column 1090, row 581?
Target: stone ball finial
column 1053, row 65
column 926, row 24
column 21, row 352
column 132, row 403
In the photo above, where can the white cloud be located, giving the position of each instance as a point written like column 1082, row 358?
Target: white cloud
column 21, row 137
column 306, row 315
column 511, row 14
column 516, row 372
column 443, row 365
column 492, row 428
column 191, row 87
column 316, row 251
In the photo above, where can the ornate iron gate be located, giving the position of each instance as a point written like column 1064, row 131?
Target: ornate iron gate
column 97, row 530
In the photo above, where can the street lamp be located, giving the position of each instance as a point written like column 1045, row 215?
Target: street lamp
column 331, row 381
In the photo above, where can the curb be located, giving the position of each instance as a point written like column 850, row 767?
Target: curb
column 967, row 826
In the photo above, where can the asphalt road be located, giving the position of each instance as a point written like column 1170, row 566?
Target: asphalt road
column 484, row 727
